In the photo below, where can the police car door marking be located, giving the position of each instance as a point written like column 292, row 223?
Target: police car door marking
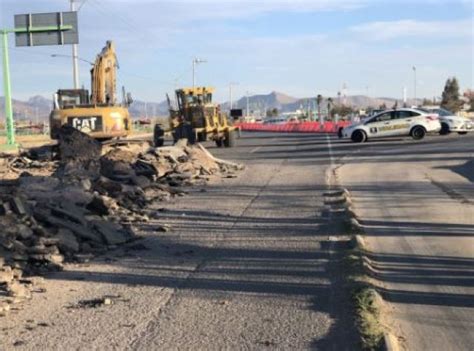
column 395, row 126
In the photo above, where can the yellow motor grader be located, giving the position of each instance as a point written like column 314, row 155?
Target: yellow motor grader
column 196, row 118
column 99, row 115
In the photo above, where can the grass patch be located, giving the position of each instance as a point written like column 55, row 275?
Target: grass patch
column 368, row 316
column 365, row 299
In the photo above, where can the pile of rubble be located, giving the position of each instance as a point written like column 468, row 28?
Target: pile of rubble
column 88, row 202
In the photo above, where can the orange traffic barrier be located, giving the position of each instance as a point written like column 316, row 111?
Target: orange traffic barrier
column 303, row 127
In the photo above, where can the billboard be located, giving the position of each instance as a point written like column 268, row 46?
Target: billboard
column 37, row 29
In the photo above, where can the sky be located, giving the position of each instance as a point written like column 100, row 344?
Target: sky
column 298, row 47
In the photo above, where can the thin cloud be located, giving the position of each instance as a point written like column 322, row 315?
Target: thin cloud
column 412, row 28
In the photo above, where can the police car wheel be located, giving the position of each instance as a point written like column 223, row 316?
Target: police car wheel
column 358, row 136
column 444, row 129
column 462, row 133
column 418, row 133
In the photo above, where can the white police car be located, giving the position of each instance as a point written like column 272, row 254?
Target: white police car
column 450, row 122
column 398, row 122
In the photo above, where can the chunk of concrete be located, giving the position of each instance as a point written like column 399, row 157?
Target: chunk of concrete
column 67, row 241
column 112, row 233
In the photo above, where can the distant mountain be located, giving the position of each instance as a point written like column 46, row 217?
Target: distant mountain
column 39, row 107
column 36, row 108
column 263, row 102
column 39, row 101
column 141, row 109
column 285, row 103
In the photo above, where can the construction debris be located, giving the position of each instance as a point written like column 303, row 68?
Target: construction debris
column 61, row 206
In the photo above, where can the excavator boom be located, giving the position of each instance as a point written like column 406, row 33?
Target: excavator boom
column 103, row 76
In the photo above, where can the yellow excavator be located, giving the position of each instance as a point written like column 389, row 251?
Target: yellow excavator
column 98, row 114
column 196, row 118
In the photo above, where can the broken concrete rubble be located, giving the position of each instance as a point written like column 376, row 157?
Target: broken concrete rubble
column 65, row 205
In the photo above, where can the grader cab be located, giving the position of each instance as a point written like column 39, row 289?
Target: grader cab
column 196, row 118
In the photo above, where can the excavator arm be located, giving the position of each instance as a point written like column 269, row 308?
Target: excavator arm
column 103, row 76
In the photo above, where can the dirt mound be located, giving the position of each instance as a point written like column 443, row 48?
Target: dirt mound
column 74, row 146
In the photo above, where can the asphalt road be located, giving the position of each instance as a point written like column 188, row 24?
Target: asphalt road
column 249, row 263
column 416, row 203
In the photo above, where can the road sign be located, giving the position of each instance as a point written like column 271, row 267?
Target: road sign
column 54, row 28
column 57, row 28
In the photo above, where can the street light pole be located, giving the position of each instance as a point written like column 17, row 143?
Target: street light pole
column 414, row 90
column 195, row 62
column 231, row 84
column 75, row 65
column 368, row 97
column 248, row 113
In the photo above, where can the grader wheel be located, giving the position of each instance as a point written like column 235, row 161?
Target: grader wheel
column 230, row 138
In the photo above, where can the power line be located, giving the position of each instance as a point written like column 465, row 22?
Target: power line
column 82, row 4
column 110, row 11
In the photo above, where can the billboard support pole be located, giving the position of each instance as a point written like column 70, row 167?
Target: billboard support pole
column 7, row 90
column 10, row 127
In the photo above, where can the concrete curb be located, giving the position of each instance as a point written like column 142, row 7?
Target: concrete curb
column 390, row 341
column 355, row 226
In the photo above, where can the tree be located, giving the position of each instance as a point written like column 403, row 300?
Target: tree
column 428, row 102
column 469, row 95
column 471, row 103
column 329, row 105
column 341, row 110
column 450, row 98
column 272, row 113
column 383, row 106
column 319, row 99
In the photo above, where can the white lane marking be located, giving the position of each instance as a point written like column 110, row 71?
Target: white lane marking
column 331, row 155
column 259, row 147
column 255, row 150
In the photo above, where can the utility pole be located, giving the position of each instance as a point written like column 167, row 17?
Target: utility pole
column 231, row 84
column 195, row 62
column 414, row 90
column 344, row 93
column 75, row 65
column 367, row 94
column 248, row 113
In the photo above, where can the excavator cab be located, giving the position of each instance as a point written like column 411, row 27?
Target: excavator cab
column 68, row 98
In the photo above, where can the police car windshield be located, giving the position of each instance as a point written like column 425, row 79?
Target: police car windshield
column 425, row 110
column 442, row 112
